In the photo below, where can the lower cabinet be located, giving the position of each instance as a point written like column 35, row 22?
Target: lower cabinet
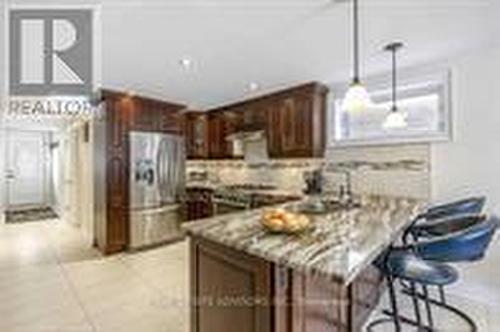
column 225, row 287
column 232, row 291
column 198, row 203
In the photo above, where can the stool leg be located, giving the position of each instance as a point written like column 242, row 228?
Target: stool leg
column 442, row 295
column 428, row 306
column 416, row 305
column 394, row 304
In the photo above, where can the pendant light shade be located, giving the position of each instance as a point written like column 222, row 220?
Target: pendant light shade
column 395, row 119
column 357, row 97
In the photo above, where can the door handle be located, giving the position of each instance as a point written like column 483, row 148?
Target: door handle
column 10, row 176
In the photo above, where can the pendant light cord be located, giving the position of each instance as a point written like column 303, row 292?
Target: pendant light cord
column 356, row 78
column 394, row 81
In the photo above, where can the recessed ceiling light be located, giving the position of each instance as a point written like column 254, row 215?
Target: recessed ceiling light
column 186, row 63
column 253, row 86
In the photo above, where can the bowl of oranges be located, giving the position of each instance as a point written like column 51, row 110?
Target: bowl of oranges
column 282, row 221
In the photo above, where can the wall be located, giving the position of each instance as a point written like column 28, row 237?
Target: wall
column 470, row 164
column 77, row 172
column 3, row 51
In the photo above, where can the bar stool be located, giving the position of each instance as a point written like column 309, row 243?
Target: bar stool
column 467, row 206
column 441, row 227
column 424, row 263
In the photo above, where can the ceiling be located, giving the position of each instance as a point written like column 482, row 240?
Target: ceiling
column 274, row 43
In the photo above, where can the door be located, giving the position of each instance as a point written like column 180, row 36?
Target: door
column 27, row 169
column 171, row 168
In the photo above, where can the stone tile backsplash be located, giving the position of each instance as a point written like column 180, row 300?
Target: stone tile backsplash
column 399, row 170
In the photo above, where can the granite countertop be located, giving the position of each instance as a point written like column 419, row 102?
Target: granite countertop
column 341, row 244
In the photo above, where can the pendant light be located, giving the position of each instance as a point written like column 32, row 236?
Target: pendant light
column 357, row 97
column 395, row 119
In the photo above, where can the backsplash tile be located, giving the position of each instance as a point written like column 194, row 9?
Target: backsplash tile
column 399, row 170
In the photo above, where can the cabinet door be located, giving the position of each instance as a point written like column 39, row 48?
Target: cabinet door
column 217, row 144
column 274, row 134
column 232, row 290
column 294, row 123
column 169, row 121
column 196, row 135
column 117, row 173
column 143, row 114
column 222, row 124
column 290, row 131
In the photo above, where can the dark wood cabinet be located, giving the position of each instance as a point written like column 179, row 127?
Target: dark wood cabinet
column 124, row 113
column 221, row 124
column 294, row 121
column 236, row 291
column 196, row 135
column 226, row 285
column 198, row 203
column 297, row 123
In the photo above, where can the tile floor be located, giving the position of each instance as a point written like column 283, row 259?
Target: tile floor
column 51, row 281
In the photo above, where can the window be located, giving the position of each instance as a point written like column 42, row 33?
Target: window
column 424, row 98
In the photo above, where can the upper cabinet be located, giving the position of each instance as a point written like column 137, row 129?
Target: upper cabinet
column 294, row 121
column 196, row 135
column 221, row 124
column 154, row 115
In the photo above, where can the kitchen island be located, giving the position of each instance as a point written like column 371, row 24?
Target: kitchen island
column 246, row 279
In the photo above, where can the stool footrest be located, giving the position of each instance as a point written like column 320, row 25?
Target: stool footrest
column 438, row 303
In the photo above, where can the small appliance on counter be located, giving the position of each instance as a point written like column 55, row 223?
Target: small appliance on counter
column 314, row 181
column 157, row 166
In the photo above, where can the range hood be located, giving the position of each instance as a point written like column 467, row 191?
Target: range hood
column 249, row 142
column 247, row 133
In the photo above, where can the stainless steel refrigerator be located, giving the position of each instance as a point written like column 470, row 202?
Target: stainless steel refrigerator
column 157, row 176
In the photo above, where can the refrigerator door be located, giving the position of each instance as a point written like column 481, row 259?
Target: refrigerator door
column 150, row 227
column 144, row 177
column 171, row 169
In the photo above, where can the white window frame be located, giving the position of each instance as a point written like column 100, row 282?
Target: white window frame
column 412, row 84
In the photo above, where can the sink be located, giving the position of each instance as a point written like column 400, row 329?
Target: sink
column 324, row 206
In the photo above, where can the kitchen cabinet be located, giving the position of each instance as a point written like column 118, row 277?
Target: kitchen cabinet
column 220, row 125
column 259, row 296
column 297, row 123
column 196, row 135
column 198, row 203
column 154, row 115
column 294, row 122
column 226, row 279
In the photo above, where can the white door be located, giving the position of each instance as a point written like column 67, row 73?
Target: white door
column 26, row 168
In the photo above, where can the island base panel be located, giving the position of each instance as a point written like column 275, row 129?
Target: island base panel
column 232, row 291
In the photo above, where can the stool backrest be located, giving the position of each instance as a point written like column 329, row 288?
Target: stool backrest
column 466, row 245
column 473, row 205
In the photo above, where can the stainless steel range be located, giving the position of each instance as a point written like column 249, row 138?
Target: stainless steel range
column 232, row 198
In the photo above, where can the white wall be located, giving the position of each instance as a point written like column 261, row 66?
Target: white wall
column 470, row 164
column 2, row 98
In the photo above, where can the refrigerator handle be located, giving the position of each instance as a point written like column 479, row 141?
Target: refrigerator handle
column 158, row 170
